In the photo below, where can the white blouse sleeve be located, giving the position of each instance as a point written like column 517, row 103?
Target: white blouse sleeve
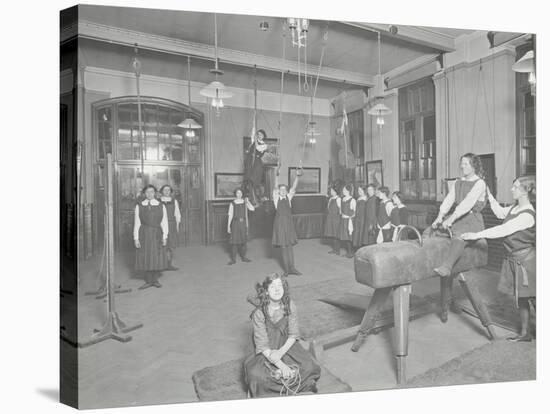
column 353, row 204
column 164, row 222
column 522, row 222
column 498, row 210
column 448, row 201
column 177, row 212
column 137, row 223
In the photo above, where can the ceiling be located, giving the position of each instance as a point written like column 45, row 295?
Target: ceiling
column 348, row 48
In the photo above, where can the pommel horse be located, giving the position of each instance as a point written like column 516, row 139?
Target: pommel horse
column 393, row 267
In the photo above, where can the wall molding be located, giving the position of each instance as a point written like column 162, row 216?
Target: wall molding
column 95, row 78
column 111, row 34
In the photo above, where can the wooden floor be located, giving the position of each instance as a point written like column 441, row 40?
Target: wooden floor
column 199, row 318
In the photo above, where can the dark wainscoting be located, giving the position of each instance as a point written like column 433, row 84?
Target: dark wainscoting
column 308, row 214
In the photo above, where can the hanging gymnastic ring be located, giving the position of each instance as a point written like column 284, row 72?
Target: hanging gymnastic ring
column 408, row 226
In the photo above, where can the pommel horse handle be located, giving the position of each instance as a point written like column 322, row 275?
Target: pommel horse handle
column 408, row 226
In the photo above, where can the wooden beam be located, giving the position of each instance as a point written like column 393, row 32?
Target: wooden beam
column 412, row 34
column 165, row 44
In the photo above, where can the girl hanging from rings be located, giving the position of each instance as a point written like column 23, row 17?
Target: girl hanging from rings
column 468, row 194
column 280, row 365
column 518, row 275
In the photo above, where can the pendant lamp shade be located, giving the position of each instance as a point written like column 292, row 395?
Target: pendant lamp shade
column 216, row 90
column 379, row 110
column 189, row 123
column 526, row 63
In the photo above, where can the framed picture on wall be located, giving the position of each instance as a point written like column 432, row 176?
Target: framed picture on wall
column 271, row 155
column 375, row 174
column 226, row 183
column 310, row 181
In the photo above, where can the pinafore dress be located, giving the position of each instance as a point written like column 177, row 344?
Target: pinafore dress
column 151, row 255
column 518, row 273
column 473, row 220
column 239, row 224
column 332, row 222
column 257, row 368
column 359, row 223
column 284, row 234
column 343, row 232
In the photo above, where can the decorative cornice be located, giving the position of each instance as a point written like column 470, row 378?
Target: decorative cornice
column 170, row 45
column 412, row 34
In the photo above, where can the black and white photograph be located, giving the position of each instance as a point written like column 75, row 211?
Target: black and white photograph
column 269, row 206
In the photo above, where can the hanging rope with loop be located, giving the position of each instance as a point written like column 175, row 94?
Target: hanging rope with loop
column 137, row 70
column 280, row 125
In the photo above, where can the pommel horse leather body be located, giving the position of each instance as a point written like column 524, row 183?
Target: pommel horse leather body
column 402, row 262
column 393, row 267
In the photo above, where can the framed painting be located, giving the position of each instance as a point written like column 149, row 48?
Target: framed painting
column 375, row 174
column 310, row 181
column 226, row 183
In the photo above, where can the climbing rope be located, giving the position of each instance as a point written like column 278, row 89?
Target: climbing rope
column 137, row 70
column 289, row 386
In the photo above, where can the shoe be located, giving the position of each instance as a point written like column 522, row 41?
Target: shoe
column 246, row 259
column 285, row 274
column 444, row 316
column 232, row 262
column 350, row 255
column 145, row 286
column 520, row 338
column 314, row 388
column 333, row 252
column 157, row 284
column 294, row 271
column 443, row 271
column 171, row 268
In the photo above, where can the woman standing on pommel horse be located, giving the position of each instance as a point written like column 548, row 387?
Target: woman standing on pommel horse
column 469, row 195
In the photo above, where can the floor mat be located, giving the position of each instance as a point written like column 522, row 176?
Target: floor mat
column 495, row 362
column 225, row 382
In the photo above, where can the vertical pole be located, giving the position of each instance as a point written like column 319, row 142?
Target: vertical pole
column 109, row 240
column 401, row 296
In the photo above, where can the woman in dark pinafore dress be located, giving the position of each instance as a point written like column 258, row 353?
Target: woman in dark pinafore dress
column 371, row 216
column 332, row 221
column 174, row 220
column 237, row 226
column 347, row 212
column 279, row 366
column 385, row 229
column 284, row 233
column 469, row 196
column 150, row 234
column 359, row 224
column 399, row 216
column 518, row 274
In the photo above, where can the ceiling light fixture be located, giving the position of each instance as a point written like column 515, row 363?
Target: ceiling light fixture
column 526, row 64
column 379, row 110
column 216, row 90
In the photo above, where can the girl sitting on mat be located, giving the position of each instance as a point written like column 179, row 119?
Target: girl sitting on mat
column 518, row 275
column 174, row 220
column 332, row 222
column 469, row 195
column 279, row 365
column 150, row 234
column 237, row 225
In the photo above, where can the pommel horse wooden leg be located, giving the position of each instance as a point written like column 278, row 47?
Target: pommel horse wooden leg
column 478, row 304
column 375, row 307
column 401, row 301
column 446, row 286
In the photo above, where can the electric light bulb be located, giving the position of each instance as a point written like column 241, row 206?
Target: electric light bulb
column 190, row 133
column 532, row 78
column 380, row 121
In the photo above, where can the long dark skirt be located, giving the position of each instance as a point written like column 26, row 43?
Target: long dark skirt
column 238, row 232
column 172, row 241
column 332, row 225
column 518, row 274
column 284, row 234
column 151, row 255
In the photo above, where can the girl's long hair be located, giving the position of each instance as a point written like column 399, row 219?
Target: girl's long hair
column 261, row 301
column 475, row 162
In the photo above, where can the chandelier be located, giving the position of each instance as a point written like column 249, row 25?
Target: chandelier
column 298, row 29
column 379, row 110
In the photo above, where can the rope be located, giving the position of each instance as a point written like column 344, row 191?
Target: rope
column 137, row 67
column 475, row 105
column 289, row 386
column 280, row 126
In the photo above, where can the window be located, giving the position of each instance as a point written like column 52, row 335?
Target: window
column 118, row 124
column 417, row 141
